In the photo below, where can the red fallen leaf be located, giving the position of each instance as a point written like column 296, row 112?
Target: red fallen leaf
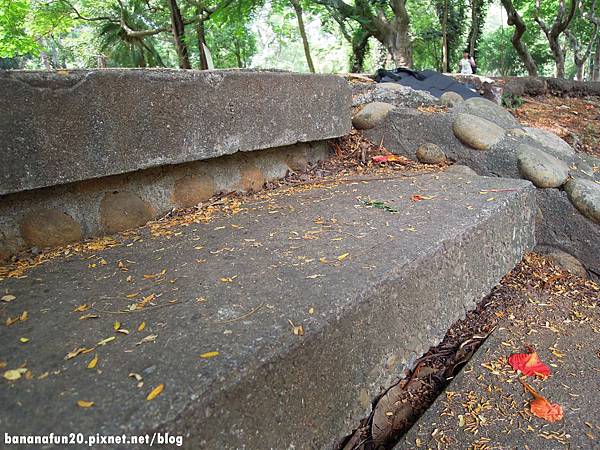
column 529, row 364
column 542, row 408
column 416, row 198
column 387, row 158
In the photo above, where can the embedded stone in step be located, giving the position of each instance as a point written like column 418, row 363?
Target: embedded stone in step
column 371, row 115
column 542, row 169
column 486, row 109
column 476, row 132
column 430, row 154
column 44, row 227
column 555, row 144
column 451, row 98
column 585, row 196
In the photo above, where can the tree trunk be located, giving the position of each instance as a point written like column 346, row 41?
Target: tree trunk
column 596, row 62
column 201, row 44
column 360, row 45
column 476, row 20
column 179, row 35
column 515, row 19
column 559, row 56
column 238, row 54
column 298, row 10
column 445, row 64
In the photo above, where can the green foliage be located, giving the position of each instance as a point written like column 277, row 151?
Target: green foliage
column 246, row 33
column 512, row 101
column 15, row 40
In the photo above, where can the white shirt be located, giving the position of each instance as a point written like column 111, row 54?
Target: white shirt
column 465, row 66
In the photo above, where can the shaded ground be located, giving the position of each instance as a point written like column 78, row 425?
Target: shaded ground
column 536, row 304
column 576, row 120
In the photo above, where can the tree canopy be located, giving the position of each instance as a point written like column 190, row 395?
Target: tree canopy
column 506, row 37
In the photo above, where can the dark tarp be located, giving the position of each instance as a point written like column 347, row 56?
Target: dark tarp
column 425, row 80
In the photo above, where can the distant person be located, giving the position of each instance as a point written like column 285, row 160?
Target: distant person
column 467, row 64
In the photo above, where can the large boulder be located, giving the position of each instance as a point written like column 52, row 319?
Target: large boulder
column 553, row 143
column 486, row 109
column 585, row 196
column 476, row 132
column 542, row 169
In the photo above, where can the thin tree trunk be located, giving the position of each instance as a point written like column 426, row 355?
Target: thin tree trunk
column 238, row 54
column 298, row 10
column 445, row 63
column 201, row 44
column 179, row 35
column 596, row 62
column 476, row 20
column 515, row 19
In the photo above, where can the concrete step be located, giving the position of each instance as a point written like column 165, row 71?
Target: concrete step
column 372, row 288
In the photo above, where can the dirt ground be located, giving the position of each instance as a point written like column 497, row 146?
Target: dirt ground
column 576, row 120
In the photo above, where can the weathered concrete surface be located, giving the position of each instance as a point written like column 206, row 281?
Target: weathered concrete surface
column 60, row 127
column 405, row 279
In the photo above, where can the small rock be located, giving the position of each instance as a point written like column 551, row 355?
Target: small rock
column 476, row 132
column 451, row 98
column 542, row 169
column 567, row 262
column 458, row 169
column 585, row 196
column 430, row 154
column 371, row 115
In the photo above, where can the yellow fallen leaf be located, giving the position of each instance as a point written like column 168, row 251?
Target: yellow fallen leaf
column 135, row 294
column 142, row 326
column 88, row 316
column 74, row 353
column 209, row 355
column 149, row 338
column 14, row 374
column 117, row 325
column 83, row 307
column 84, row 404
column 226, row 279
column 24, row 316
column 343, row 257
column 93, row 362
column 8, row 298
column 155, row 392
column 311, row 311
column 106, row 341
column 298, row 330
column 103, row 262
column 24, row 340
